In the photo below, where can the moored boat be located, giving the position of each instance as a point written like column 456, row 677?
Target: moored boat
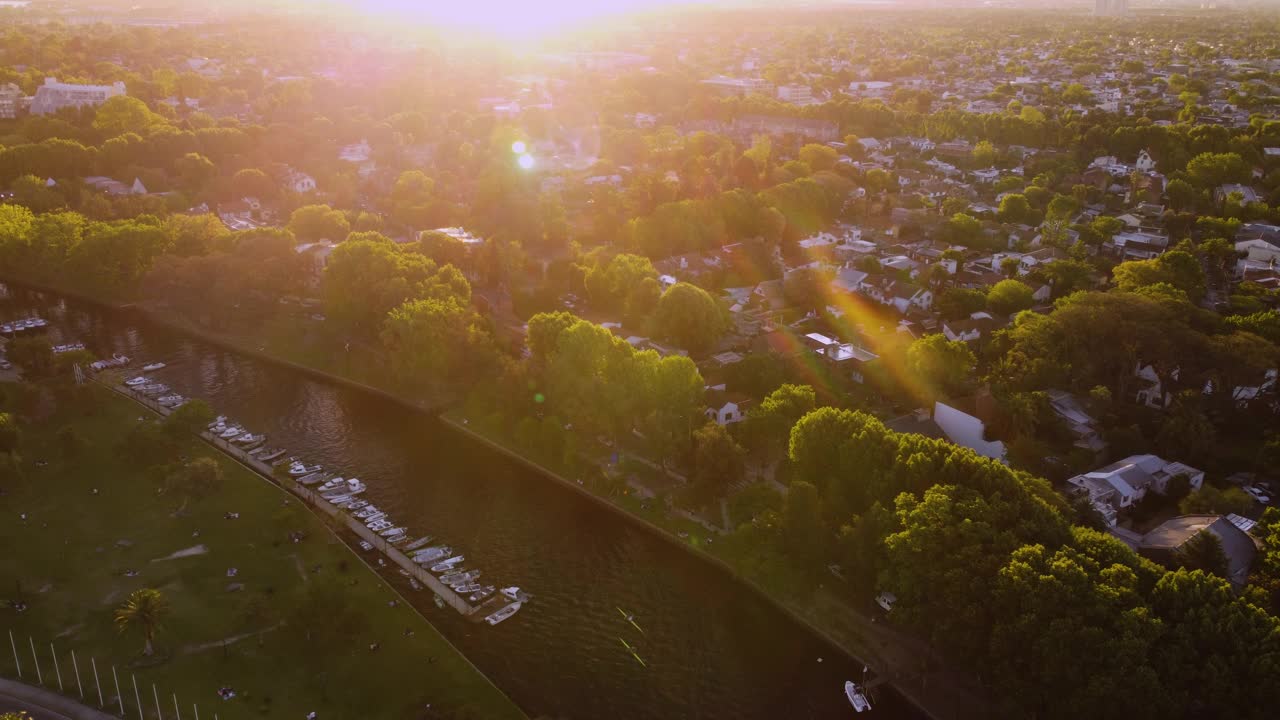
column 136, row 381
column 152, row 367
column 448, row 565
column 503, row 614
column 857, row 698
column 419, row 542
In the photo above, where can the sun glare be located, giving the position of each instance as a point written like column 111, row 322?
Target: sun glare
column 526, row 161
column 512, row 19
column 517, row 147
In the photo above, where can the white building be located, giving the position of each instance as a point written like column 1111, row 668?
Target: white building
column 1120, row 485
column 738, row 86
column 795, row 94
column 53, row 96
column 11, row 97
column 299, row 182
column 967, row 430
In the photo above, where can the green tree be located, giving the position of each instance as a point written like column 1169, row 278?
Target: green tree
column 688, row 316
column 944, row 366
column 1203, row 552
column 610, row 284
column 144, row 613
column 1009, row 296
column 959, row 303
column 767, row 427
column 197, row 479
column 1014, row 208
column 252, row 182
column 717, row 462
column 1209, row 170
column 1209, row 499
column 310, row 223
column 802, row 523
column 192, row 418
column 33, row 354
column 984, row 154
column 412, row 198
column 124, row 114
column 818, row 157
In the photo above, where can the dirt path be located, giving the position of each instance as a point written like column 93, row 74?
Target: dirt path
column 193, row 649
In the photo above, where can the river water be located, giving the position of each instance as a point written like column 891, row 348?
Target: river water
column 713, row 648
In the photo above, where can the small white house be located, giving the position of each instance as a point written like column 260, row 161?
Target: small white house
column 299, row 182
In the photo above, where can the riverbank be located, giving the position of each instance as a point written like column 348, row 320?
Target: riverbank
column 264, row 598
column 934, row 693
column 894, row 656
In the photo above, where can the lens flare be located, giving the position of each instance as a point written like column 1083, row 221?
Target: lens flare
column 518, row 147
column 526, row 161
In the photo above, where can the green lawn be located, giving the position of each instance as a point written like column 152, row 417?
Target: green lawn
column 68, row 561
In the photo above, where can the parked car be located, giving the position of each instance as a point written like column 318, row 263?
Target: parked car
column 1258, row 495
column 886, row 600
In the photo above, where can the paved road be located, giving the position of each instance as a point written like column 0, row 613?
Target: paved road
column 8, row 704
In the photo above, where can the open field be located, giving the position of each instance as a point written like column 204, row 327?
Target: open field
column 297, row 618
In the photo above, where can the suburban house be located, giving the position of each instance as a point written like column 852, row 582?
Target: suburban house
column 970, row 329
column 317, row 256
column 299, row 182
column 1080, row 423
column 901, row 295
column 966, row 430
column 1164, row 543
column 115, row 187
column 726, row 408
column 1120, row 485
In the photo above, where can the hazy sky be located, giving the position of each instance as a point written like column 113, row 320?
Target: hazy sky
column 512, row 17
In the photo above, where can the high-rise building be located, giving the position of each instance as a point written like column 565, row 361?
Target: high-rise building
column 11, row 97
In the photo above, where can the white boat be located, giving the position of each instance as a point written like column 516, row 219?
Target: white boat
column 136, row 381
column 171, row 401
column 116, row 360
column 447, row 565
column 393, row 531
column 220, row 420
column 503, row 614
column 481, row 594
column 399, row 540
column 467, row 588
column 151, row 367
column 330, row 485
column 250, row 439
column 379, row 525
column 232, row 432
column 856, row 697
column 298, row 469
column 419, row 542
column 315, row 477
column 357, row 505
column 369, row 511
column 511, row 593
column 155, row 389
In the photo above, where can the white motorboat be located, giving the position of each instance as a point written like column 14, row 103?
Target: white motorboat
column 399, row 540
column 171, row 401
column 511, row 593
column 298, row 469
column 231, row 432
column 379, row 525
column 447, row 565
column 136, row 381
column 154, row 389
column 391, row 532
column 315, row 477
column 220, row 420
column 250, row 439
column 857, row 698
column 482, row 593
column 419, row 542
column 467, row 588
column 152, row 367
column 116, row 360
column 503, row 614
column 330, row 485
column 376, row 517
column 357, row 505
column 367, row 512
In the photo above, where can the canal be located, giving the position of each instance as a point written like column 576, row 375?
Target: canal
column 712, row 648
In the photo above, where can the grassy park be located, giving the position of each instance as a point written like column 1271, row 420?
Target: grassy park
column 288, row 625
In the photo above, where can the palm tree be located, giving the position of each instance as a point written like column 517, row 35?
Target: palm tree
column 143, row 611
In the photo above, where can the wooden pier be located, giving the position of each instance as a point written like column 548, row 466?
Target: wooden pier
column 474, row 612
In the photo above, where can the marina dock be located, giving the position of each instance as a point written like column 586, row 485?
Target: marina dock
column 476, row 612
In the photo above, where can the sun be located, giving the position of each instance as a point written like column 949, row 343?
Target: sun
column 513, row 19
